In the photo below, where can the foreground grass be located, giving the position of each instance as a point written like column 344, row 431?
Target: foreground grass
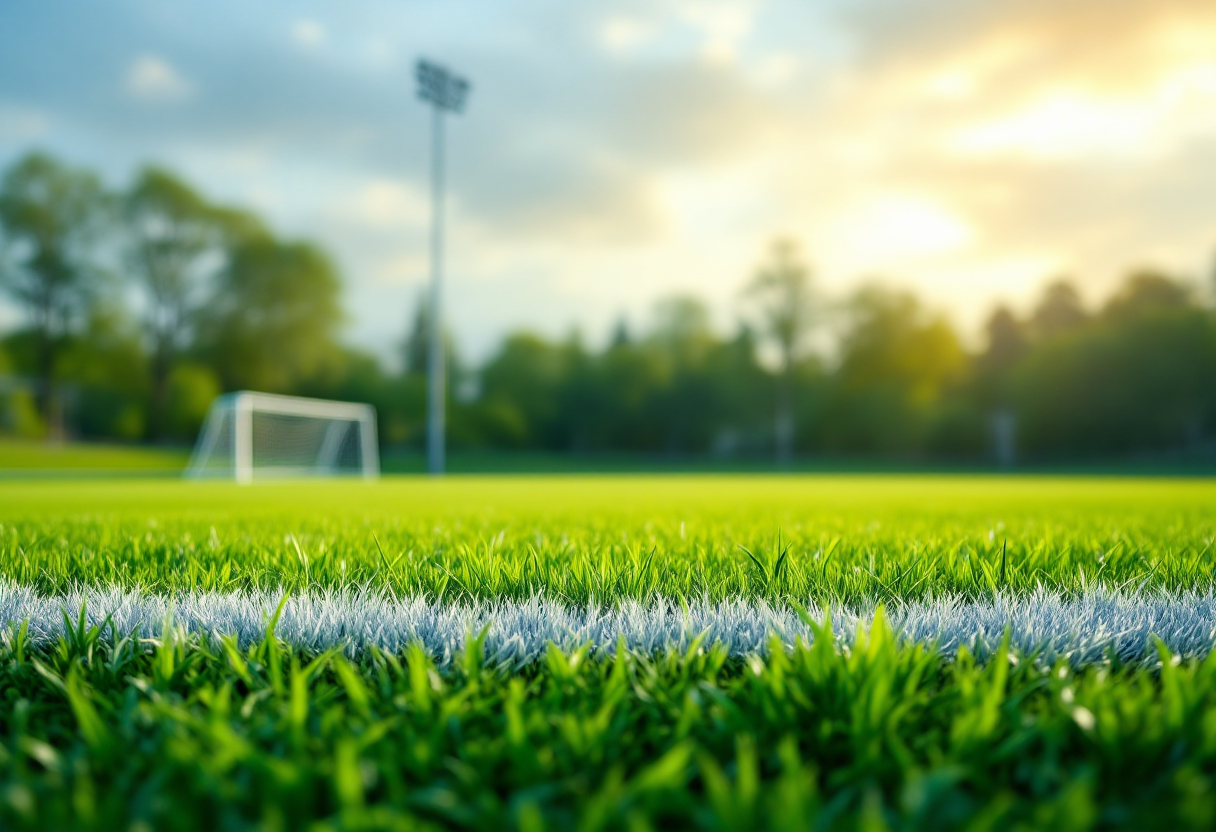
column 179, row 734
column 101, row 729
column 580, row 539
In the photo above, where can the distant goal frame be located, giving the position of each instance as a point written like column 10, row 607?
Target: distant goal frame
column 243, row 405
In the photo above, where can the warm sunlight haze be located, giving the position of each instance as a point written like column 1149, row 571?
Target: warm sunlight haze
column 623, row 152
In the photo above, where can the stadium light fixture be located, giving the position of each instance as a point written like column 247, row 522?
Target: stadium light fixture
column 445, row 92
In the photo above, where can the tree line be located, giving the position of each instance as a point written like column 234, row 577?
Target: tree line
column 141, row 304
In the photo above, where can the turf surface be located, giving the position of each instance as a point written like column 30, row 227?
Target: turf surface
column 584, row 539
column 29, row 456
column 103, row 727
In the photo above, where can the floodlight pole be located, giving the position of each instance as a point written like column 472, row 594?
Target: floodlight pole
column 444, row 91
column 436, row 368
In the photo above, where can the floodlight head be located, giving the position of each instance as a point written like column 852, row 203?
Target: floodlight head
column 444, row 89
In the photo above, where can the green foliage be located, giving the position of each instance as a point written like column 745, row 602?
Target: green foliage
column 18, row 415
column 680, row 390
column 525, row 377
column 272, row 307
column 174, row 242
column 1087, row 391
column 1058, row 311
column 898, row 361
column 225, row 300
column 50, row 215
column 587, row 539
column 48, row 211
column 184, row 734
column 273, row 323
column 107, row 367
column 191, row 390
column 782, row 291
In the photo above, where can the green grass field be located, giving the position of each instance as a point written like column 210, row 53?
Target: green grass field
column 202, row 729
column 28, row 456
column 579, row 538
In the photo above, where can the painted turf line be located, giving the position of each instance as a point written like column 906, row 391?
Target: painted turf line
column 1084, row 629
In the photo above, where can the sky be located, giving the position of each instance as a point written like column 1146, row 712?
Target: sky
column 615, row 153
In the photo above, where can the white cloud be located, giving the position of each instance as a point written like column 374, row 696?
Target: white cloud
column 722, row 29
column 403, row 270
column 153, row 79
column 776, row 70
column 308, row 33
column 386, row 203
column 623, row 33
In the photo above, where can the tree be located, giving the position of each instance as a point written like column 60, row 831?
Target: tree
column 105, row 364
column 417, row 343
column 681, row 329
column 173, row 240
column 1145, row 291
column 1007, row 343
column 621, row 336
column 1129, row 384
column 17, row 414
column 191, row 389
column 1059, row 310
column 526, row 377
column 740, row 409
column 897, row 363
column 632, row 376
column 274, row 320
column 782, row 288
column 683, row 340
column 238, row 226
column 49, row 215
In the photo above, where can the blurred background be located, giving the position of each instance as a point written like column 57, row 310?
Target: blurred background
column 726, row 235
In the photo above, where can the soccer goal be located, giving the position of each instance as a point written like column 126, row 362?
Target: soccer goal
column 249, row 436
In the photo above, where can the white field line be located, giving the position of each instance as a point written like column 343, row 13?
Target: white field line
column 1083, row 629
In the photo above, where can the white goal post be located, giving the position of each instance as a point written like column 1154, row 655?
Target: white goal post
column 249, row 436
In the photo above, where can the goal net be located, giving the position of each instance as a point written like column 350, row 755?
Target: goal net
column 249, row 436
